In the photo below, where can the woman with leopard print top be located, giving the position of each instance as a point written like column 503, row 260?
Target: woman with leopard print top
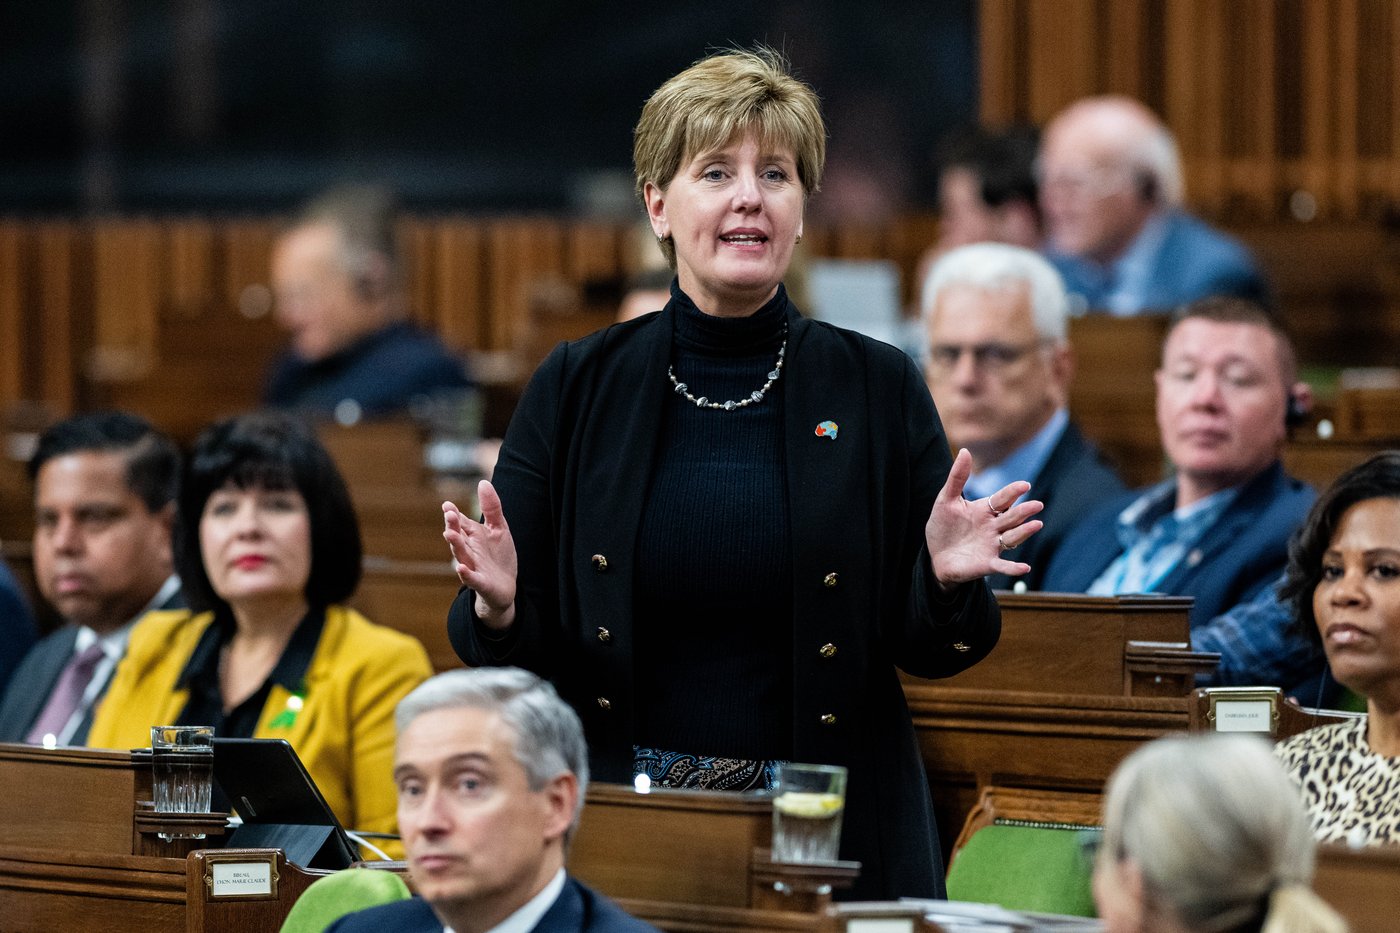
column 1344, row 585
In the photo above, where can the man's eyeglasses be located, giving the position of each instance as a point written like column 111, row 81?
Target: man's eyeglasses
column 1097, row 182
column 943, row 358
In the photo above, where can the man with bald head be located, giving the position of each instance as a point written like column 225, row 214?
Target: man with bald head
column 1111, row 192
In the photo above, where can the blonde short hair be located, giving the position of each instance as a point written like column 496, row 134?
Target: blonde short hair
column 719, row 98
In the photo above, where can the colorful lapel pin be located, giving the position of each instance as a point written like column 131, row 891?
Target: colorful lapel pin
column 288, row 717
column 827, row 429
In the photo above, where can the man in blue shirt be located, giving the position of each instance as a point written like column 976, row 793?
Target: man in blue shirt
column 1111, row 191
column 1218, row 529
column 999, row 367
column 1260, row 643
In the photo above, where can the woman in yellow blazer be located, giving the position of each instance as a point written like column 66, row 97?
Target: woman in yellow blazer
column 268, row 548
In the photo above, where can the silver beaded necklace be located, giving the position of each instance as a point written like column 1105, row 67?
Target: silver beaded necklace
column 754, row 398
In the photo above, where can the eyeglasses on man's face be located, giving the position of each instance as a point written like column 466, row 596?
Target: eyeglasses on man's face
column 1096, row 181
column 991, row 357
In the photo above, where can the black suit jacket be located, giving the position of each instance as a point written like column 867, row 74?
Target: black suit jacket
column 577, row 910
column 1074, row 480
column 572, row 477
column 1242, row 553
column 29, row 689
column 16, row 625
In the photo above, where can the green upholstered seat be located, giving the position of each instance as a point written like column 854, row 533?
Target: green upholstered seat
column 332, row 897
column 1025, row 866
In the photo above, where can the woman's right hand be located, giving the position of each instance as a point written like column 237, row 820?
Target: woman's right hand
column 483, row 554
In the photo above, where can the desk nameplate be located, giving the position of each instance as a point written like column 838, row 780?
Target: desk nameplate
column 240, row 876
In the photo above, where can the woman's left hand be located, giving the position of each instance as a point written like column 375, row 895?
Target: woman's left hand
column 965, row 539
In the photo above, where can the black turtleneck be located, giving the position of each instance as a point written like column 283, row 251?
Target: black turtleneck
column 714, row 559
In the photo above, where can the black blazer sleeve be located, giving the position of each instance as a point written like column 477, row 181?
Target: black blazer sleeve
column 938, row 635
column 523, row 478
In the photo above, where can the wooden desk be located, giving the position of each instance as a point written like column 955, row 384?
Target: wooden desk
column 45, row 890
column 1363, row 885
column 80, row 850
column 1075, row 684
column 670, row 845
column 1105, row 646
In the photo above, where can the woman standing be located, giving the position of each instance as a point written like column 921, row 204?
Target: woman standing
column 719, row 528
column 1344, row 584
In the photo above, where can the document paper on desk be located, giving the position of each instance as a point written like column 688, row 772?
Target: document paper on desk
column 968, row 917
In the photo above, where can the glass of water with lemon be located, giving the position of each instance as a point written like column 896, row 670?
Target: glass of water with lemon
column 807, row 804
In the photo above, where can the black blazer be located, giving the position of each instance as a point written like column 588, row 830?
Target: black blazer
column 16, row 625
column 1074, row 480
column 573, row 474
column 577, row 910
column 36, row 677
column 1242, row 553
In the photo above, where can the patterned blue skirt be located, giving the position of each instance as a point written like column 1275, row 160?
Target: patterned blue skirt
column 702, row 772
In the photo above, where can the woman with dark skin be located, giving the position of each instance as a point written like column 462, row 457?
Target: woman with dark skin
column 1344, row 585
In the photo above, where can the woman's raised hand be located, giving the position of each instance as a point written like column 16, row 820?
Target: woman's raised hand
column 965, row 539
column 483, row 554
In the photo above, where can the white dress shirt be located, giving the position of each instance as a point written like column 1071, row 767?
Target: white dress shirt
column 529, row 915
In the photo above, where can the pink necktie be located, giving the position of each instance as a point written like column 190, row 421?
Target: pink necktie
column 67, row 693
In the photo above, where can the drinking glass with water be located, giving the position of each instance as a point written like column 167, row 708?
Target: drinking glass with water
column 808, row 803
column 182, row 759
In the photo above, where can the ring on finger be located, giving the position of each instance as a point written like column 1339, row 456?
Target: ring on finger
column 1002, row 545
column 993, row 509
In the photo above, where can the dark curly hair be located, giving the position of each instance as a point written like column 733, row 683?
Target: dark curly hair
column 1377, row 478
column 269, row 451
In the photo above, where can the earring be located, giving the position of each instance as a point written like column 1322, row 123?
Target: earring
column 799, row 239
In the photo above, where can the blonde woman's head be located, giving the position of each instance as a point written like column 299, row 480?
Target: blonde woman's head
column 1207, row 834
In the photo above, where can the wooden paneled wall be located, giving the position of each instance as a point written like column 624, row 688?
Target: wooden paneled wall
column 1282, row 108
column 172, row 317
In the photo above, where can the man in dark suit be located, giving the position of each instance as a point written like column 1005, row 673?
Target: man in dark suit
column 339, row 290
column 16, row 625
column 104, row 490
column 1218, row 529
column 999, row 367
column 491, row 768
column 1111, row 191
